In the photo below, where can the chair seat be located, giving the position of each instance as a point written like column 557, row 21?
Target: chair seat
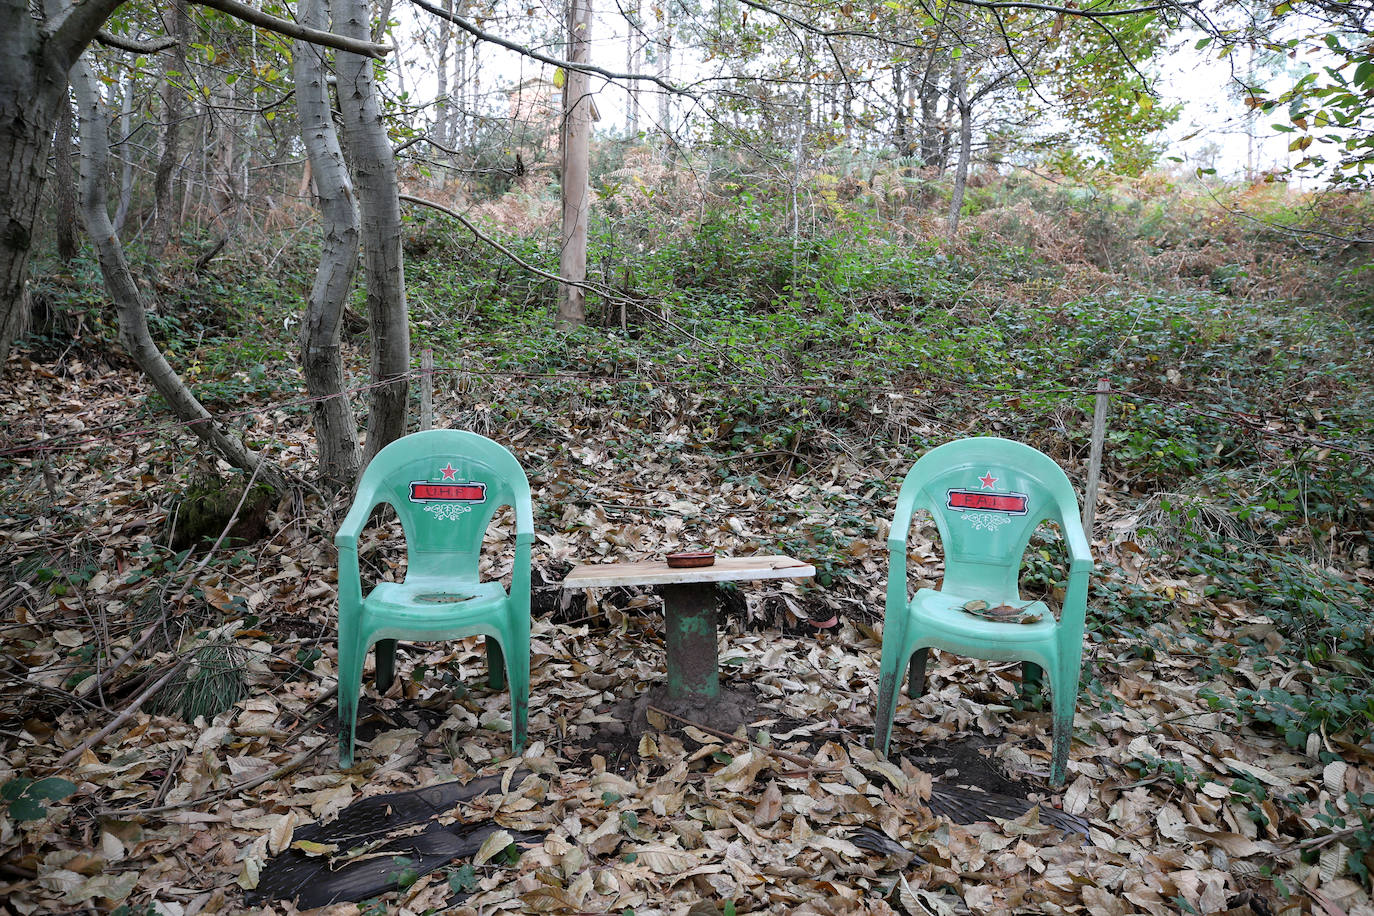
column 945, row 624
column 431, row 605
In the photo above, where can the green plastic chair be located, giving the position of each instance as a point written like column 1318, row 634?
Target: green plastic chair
column 445, row 485
column 987, row 496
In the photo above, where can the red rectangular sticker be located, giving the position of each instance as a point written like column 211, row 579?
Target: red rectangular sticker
column 1010, row 503
column 422, row 491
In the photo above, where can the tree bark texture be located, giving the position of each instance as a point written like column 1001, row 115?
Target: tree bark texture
column 959, row 88
column 665, row 71
column 169, row 143
column 439, row 129
column 929, row 95
column 336, row 430
column 126, row 163
column 119, row 283
column 33, row 88
column 374, row 174
column 64, row 188
column 577, row 124
column 634, row 50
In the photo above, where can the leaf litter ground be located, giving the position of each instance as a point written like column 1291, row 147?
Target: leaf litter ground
column 600, row 814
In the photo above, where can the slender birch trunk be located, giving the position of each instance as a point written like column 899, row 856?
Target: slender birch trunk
column 440, row 129
column 959, row 89
column 577, row 122
column 169, row 142
column 126, row 163
column 633, row 53
column 64, row 188
column 321, row 356
column 379, row 206
column 665, row 70
column 457, row 130
column 119, row 284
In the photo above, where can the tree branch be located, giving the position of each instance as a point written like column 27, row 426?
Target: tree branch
column 518, row 48
column 1089, row 13
column 467, row 224
column 134, row 45
column 286, row 27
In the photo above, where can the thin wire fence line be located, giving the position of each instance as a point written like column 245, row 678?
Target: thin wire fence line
column 1250, row 421
column 47, row 445
column 50, row 444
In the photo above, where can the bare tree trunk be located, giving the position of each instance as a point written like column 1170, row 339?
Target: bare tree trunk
column 665, row 69
column 577, row 123
column 457, row 131
column 336, row 430
column 126, row 166
column 33, row 89
column 959, row 87
column 441, row 116
column 928, row 94
column 946, row 131
column 119, row 284
column 633, row 53
column 899, row 139
column 374, row 171
column 64, row 187
column 169, row 143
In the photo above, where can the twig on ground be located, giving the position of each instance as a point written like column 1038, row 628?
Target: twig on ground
column 795, row 759
column 123, row 717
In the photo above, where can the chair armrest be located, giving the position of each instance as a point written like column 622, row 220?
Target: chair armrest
column 1080, row 551
column 356, row 519
column 901, row 517
column 350, row 582
column 896, row 574
column 520, row 571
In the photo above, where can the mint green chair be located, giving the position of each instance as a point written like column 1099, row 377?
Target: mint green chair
column 987, row 496
column 445, row 485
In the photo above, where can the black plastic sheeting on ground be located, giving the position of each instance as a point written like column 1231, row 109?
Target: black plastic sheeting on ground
column 968, row 806
column 313, row 881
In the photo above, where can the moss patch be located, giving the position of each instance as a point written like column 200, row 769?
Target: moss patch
column 204, row 508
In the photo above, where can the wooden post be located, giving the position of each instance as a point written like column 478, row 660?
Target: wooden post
column 1104, row 390
column 427, row 388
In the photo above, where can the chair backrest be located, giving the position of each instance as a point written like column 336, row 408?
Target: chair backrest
column 987, row 496
column 445, row 485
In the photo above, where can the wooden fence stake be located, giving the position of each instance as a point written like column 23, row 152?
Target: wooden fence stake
column 1104, row 391
column 427, row 389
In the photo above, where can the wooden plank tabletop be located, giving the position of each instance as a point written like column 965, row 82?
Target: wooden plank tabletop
column 657, row 572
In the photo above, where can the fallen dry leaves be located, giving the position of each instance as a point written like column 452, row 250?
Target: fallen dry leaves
column 179, row 817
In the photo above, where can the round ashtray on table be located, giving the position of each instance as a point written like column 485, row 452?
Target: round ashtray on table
column 690, row 559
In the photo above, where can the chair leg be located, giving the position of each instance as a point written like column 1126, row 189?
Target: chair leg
column 350, row 685
column 916, row 673
column 1064, row 696
column 895, row 658
column 496, row 664
column 517, row 658
column 1032, row 679
column 385, row 652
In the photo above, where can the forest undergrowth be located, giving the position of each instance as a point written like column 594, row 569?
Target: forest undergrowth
column 745, row 390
